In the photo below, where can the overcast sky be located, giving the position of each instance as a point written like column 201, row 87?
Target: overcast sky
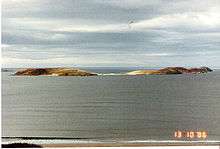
column 49, row 33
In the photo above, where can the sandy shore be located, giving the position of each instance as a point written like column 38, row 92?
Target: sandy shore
column 130, row 144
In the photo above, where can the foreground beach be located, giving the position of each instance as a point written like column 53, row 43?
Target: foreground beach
column 133, row 144
column 120, row 144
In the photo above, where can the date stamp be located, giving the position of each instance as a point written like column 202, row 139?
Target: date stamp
column 190, row 134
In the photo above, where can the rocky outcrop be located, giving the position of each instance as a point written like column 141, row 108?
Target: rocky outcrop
column 171, row 70
column 53, row 72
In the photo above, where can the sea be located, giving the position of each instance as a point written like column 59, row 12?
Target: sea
column 110, row 107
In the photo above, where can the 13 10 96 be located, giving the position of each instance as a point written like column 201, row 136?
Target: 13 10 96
column 190, row 134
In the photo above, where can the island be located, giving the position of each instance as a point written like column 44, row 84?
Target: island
column 53, row 72
column 78, row 72
column 171, row 70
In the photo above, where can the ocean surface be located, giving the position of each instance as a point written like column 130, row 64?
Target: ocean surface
column 110, row 107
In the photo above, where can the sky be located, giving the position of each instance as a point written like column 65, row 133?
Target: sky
column 110, row 33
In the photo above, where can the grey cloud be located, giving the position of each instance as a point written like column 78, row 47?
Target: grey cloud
column 50, row 32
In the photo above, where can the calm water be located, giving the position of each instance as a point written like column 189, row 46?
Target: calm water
column 103, row 108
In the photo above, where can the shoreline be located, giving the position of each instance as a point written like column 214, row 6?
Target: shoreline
column 55, row 145
column 25, row 145
column 132, row 144
column 135, row 143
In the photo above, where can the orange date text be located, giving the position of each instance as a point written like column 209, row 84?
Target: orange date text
column 190, row 134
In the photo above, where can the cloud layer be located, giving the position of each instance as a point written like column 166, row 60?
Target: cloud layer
column 122, row 33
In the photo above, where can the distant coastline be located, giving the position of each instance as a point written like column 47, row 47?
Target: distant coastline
column 78, row 72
